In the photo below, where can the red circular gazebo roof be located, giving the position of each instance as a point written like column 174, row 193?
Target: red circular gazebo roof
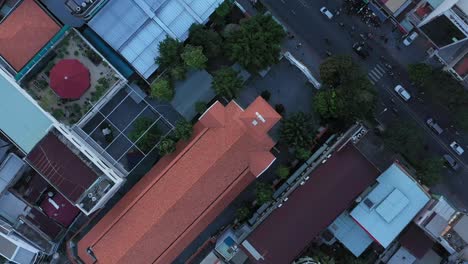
column 69, row 79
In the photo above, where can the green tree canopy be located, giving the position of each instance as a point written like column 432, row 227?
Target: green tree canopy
column 209, row 39
column 298, row 130
column 303, row 154
column 419, row 72
column 347, row 95
column 183, row 130
column 406, row 139
column 193, row 57
column 166, row 146
column 144, row 134
column 243, row 213
column 226, row 82
column 283, row 171
column 429, row 170
column 162, row 89
column 257, row 44
column 169, row 53
column 263, row 192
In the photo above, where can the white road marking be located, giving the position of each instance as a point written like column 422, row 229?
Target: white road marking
column 376, row 72
column 374, row 76
column 380, row 68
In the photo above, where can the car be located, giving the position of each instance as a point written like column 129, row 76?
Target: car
column 326, row 12
column 360, row 50
column 410, row 38
column 433, row 124
column 457, row 148
column 402, row 92
column 451, row 161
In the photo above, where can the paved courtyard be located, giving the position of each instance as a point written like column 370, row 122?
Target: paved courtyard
column 287, row 85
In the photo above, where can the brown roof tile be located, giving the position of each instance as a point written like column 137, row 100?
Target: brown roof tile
column 24, row 32
column 182, row 194
column 331, row 189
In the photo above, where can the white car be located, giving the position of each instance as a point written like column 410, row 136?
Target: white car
column 410, row 38
column 326, row 12
column 402, row 92
column 459, row 150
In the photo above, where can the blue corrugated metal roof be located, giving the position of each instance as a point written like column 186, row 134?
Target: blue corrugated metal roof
column 21, row 119
column 350, row 234
column 135, row 28
column 390, row 206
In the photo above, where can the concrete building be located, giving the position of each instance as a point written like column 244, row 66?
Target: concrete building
column 445, row 24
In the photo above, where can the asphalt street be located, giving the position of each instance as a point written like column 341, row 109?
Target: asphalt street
column 310, row 28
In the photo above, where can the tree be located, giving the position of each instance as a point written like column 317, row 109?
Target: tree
column 282, row 172
column 429, row 170
column 169, row 53
column 338, row 70
column 303, row 154
column 144, row 134
column 162, row 89
column 209, row 39
column 405, row 138
column 419, row 72
column 257, row 44
column 166, row 146
column 263, row 192
column 226, row 82
column 243, row 213
column 298, row 130
column 222, row 11
column 347, row 94
column 193, row 57
column 178, row 72
column 183, row 130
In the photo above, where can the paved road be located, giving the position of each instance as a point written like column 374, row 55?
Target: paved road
column 310, row 28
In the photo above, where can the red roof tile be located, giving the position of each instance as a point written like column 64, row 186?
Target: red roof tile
column 331, row 189
column 184, row 192
column 24, row 32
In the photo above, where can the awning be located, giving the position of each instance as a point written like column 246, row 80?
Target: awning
column 378, row 12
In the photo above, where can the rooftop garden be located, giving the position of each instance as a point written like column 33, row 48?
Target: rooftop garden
column 70, row 66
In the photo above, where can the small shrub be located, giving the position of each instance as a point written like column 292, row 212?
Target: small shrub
column 263, row 192
column 166, row 146
column 302, row 153
column 58, row 114
column 283, row 172
column 243, row 213
column 183, row 130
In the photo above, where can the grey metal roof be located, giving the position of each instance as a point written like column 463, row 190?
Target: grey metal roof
column 134, row 28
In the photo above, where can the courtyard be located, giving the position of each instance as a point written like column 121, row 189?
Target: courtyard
column 101, row 78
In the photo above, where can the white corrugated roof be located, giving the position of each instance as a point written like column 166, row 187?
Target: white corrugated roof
column 135, row 27
column 390, row 206
column 350, row 234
